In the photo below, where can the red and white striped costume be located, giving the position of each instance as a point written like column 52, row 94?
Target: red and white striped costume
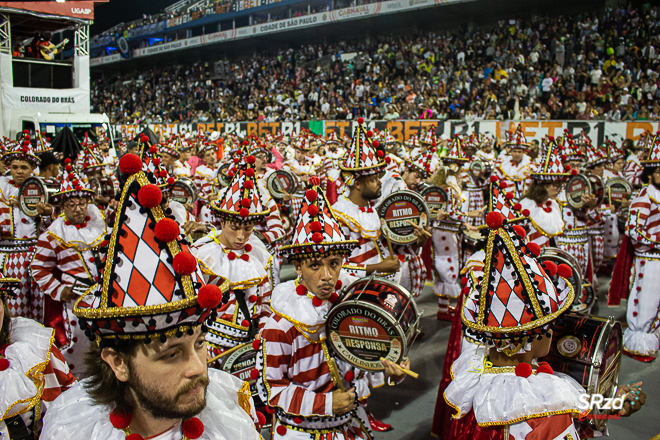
column 643, row 315
column 36, row 376
column 247, row 272
column 18, row 237
column 295, row 377
column 363, row 225
column 206, row 181
column 272, row 230
column 542, row 225
column 516, row 176
column 66, row 257
column 633, row 170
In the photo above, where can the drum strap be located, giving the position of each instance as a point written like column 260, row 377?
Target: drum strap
column 242, row 306
column 17, row 429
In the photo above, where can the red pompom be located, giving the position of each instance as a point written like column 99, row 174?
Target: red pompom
column 261, row 419
column 316, row 226
column 311, row 195
column 493, row 178
column 121, row 420
column 317, row 237
column 144, row 138
column 494, row 220
column 550, row 268
column 370, row 133
column 130, row 164
column 375, row 144
column 312, row 210
column 316, row 302
column 253, row 298
column 534, row 248
column 249, row 172
column 525, row 212
column 246, row 143
column 153, row 150
column 567, row 167
column 338, row 285
column 244, row 212
column 544, row 367
column 161, row 173
column 193, row 428
column 520, row 231
column 517, row 206
column 360, row 120
column 314, row 181
column 231, row 256
column 67, row 161
column 380, row 153
column 171, row 180
column 524, row 370
column 209, row 296
column 334, row 297
column 251, row 159
column 184, row 263
column 166, row 230
column 4, row 364
column 245, row 257
column 564, row 271
column 247, row 247
column 245, row 203
column 349, row 376
column 301, row 290
column 256, row 344
column 509, row 195
column 230, row 174
column 249, row 184
column 237, row 160
column 281, row 430
column 68, row 168
column 574, row 172
column 388, row 159
column 254, row 373
column 503, row 184
column 297, row 420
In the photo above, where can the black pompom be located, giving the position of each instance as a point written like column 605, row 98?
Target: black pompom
column 169, row 319
column 135, row 322
column 163, row 338
column 152, row 322
column 147, row 340
column 121, row 323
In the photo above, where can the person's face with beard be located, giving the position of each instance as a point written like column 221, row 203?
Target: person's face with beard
column 320, row 275
column 166, row 380
column 412, row 178
column 370, row 187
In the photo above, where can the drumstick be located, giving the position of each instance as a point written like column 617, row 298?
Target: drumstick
column 405, row 370
column 334, row 372
column 423, row 230
column 387, row 237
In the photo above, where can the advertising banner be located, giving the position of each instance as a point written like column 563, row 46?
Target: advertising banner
column 46, row 100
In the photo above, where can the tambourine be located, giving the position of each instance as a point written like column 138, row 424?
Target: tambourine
column 183, row 191
column 400, row 212
column 618, row 189
column 280, row 182
column 434, row 196
column 103, row 187
column 480, row 169
column 35, row 190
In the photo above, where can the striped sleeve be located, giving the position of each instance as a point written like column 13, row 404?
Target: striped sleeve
column 204, row 187
column 272, row 227
column 43, row 262
column 5, row 220
column 641, row 221
column 57, row 377
column 290, row 375
column 633, row 173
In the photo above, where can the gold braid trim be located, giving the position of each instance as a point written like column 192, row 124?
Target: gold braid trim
column 244, row 398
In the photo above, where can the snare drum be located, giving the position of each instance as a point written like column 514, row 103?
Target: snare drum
column 34, row 190
column 585, row 296
column 471, row 241
column 588, row 348
column 375, row 319
column 183, row 191
column 103, row 187
column 239, row 362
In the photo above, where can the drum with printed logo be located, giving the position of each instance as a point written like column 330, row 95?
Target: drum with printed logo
column 223, row 177
column 400, row 212
column 35, row 190
column 183, row 191
column 585, row 296
column 480, row 169
column 281, row 182
column 375, row 319
column 103, row 187
column 287, row 224
column 618, row 189
column 434, row 196
column 588, row 348
column 239, row 362
column 577, row 187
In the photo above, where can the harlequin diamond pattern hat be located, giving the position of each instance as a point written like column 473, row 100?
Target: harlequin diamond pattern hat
column 517, row 139
column 552, row 169
column 652, row 159
column 456, row 153
column 412, row 141
column 150, row 285
column 614, row 153
column 152, row 164
column 332, row 138
column 595, row 156
column 428, row 137
column 72, row 185
column 362, row 158
column 517, row 297
column 317, row 232
column 90, row 161
column 173, row 146
column 302, row 142
column 241, row 200
column 425, row 163
column 502, row 201
column 22, row 150
column 42, row 145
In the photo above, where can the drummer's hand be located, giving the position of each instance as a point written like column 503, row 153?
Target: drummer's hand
column 287, row 197
column 625, row 203
column 390, row 264
column 189, row 227
column 67, row 294
column 420, row 233
column 394, row 372
column 343, row 401
column 589, row 200
column 100, row 200
column 44, row 208
column 304, row 178
column 114, row 203
column 629, row 392
column 476, row 212
column 470, row 228
column 441, row 215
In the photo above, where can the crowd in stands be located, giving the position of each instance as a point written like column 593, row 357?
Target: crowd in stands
column 584, row 66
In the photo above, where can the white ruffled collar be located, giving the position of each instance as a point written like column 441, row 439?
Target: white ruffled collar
column 298, row 309
column 507, row 163
column 223, row 418
column 29, row 351
column 207, row 172
column 499, row 398
column 8, row 191
column 550, row 223
column 213, row 256
column 84, row 238
column 366, row 223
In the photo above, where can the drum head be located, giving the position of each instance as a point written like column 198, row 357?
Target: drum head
column 576, row 188
column 32, row 191
column 183, row 191
column 239, row 362
column 559, row 256
column 376, row 319
column 435, row 198
column 480, row 169
column 597, row 187
column 618, row 189
column 280, row 182
column 287, row 224
column 223, row 178
column 397, row 210
column 95, row 185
